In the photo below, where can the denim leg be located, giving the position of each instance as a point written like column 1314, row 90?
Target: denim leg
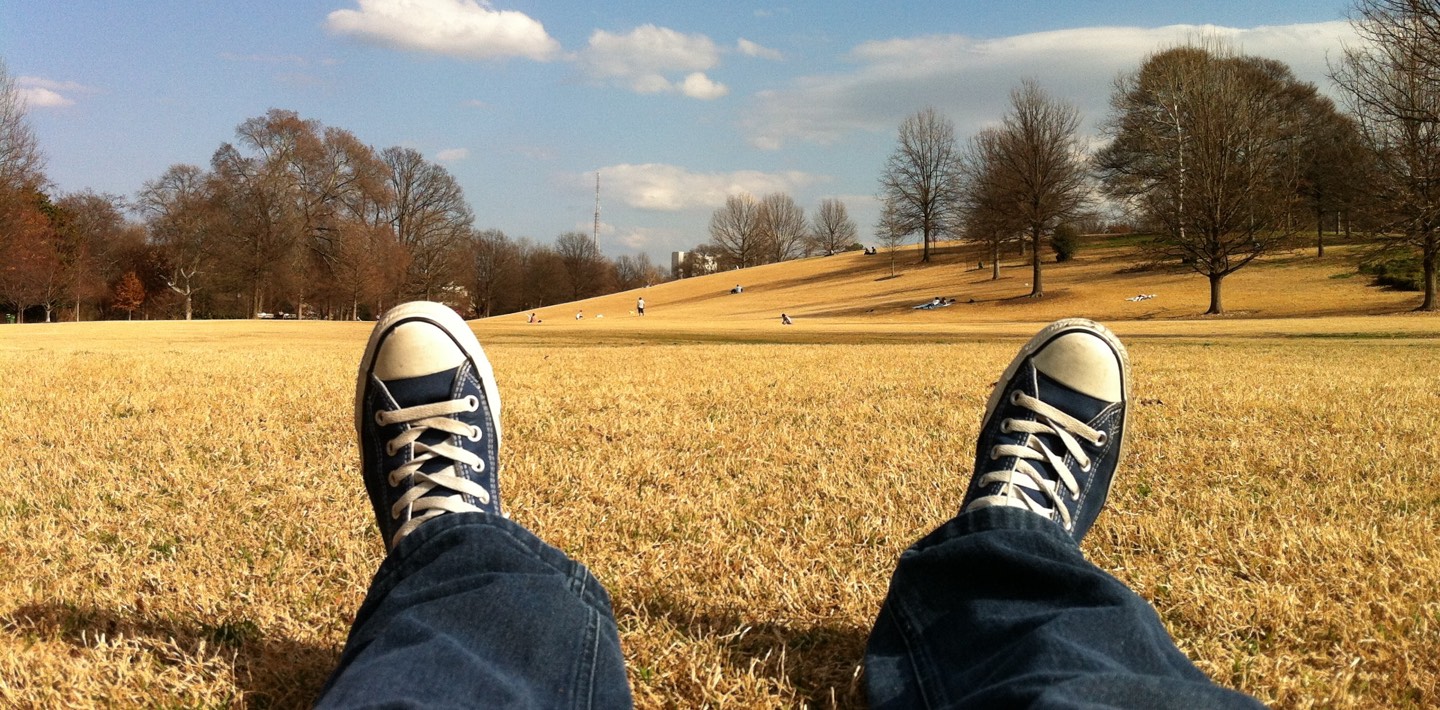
column 998, row 608
column 472, row 610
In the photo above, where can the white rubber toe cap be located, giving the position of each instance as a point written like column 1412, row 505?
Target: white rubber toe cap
column 1085, row 363
column 414, row 349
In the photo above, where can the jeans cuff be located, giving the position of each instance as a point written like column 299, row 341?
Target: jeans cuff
column 994, row 518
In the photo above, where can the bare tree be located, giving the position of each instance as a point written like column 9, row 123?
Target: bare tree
column 1203, row 145
column 892, row 234
column 782, row 227
column 494, row 262
column 90, row 224
column 179, row 208
column 921, row 184
column 21, row 164
column 634, row 272
column 1391, row 82
column 987, row 214
column 832, row 230
column 29, row 263
column 735, row 230
column 1039, row 166
column 430, row 217
column 1336, row 167
column 582, row 262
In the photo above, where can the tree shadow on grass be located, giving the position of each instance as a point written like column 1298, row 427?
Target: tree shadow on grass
column 819, row 661
column 270, row 672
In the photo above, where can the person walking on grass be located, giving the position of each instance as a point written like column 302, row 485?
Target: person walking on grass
column 640, row 305
column 995, row 608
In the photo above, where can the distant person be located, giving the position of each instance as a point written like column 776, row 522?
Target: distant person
column 785, row 320
column 995, row 608
column 580, row 314
column 738, row 289
column 640, row 305
column 533, row 319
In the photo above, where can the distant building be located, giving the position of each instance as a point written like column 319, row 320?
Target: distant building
column 684, row 264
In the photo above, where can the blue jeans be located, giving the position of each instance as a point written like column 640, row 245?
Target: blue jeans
column 996, row 608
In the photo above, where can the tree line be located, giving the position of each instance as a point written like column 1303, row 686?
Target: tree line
column 1221, row 156
column 749, row 231
column 293, row 218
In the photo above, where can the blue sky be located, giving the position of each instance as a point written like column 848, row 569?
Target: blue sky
column 676, row 104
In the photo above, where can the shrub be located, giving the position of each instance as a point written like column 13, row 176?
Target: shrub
column 1065, row 241
column 1402, row 273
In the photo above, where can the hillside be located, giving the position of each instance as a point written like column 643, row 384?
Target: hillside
column 853, row 290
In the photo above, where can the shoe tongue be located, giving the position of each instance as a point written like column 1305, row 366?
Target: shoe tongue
column 1078, row 405
column 425, row 389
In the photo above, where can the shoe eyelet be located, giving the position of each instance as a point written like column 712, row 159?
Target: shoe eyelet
column 389, row 449
column 378, row 420
column 472, row 402
column 1015, row 396
column 1102, row 439
column 994, row 453
column 474, row 434
column 1004, row 426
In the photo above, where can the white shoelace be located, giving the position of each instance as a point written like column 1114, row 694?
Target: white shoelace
column 423, row 506
column 1024, row 475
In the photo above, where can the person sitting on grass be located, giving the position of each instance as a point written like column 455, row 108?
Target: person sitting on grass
column 995, row 608
column 785, row 320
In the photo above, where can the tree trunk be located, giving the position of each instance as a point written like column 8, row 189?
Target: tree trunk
column 924, row 250
column 995, row 261
column 1036, row 287
column 1319, row 233
column 1429, row 263
column 1217, row 306
column 188, row 309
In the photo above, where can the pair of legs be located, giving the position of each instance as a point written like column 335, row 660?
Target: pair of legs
column 996, row 607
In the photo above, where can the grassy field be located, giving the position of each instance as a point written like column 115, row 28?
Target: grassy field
column 184, row 523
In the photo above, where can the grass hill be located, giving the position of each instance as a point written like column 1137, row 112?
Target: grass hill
column 185, row 525
column 854, row 291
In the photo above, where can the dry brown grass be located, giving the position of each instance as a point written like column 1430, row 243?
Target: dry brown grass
column 184, row 524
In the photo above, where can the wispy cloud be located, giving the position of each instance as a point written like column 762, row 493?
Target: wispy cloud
column 644, row 60
column 451, row 155
column 39, row 92
column 670, row 188
column 970, row 79
column 457, row 28
column 751, row 49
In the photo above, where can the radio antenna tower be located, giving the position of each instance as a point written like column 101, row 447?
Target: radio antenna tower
column 595, row 235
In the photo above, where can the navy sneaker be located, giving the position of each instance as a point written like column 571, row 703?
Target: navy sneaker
column 1054, row 427
column 428, row 415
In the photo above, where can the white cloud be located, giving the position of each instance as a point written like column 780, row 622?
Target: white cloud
column 37, row 97
column 455, row 28
column 699, row 86
column 450, row 155
column 669, row 188
column 751, row 49
column 38, row 92
column 970, row 80
column 641, row 237
column 644, row 59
